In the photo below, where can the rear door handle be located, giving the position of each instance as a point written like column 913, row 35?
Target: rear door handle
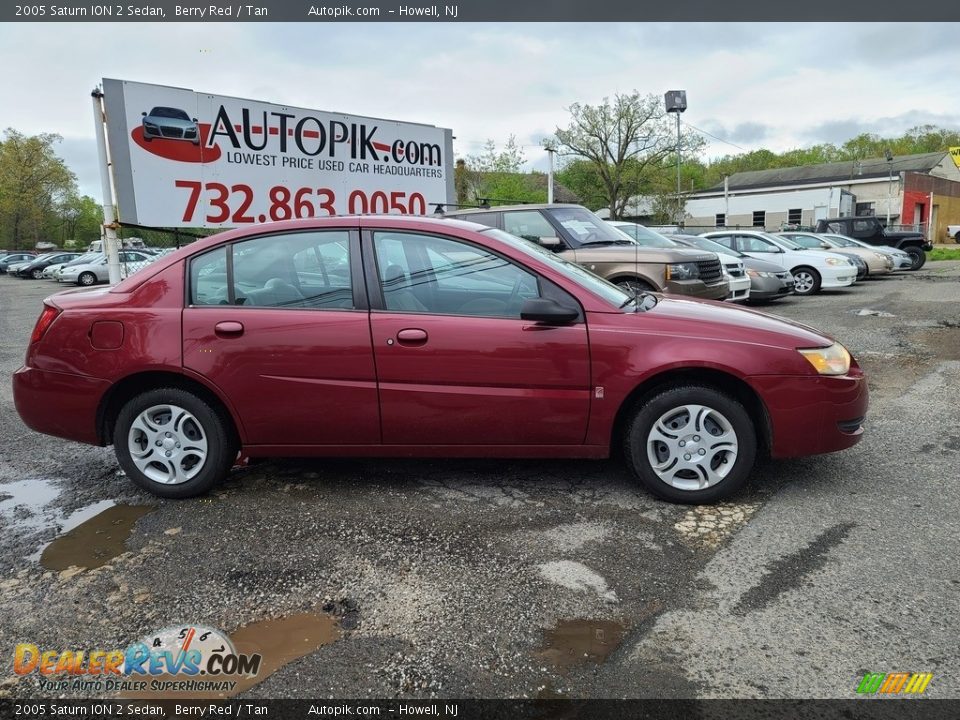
column 412, row 336
column 229, row 328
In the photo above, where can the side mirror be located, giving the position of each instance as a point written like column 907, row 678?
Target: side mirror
column 194, row 119
column 144, row 114
column 547, row 311
column 549, row 242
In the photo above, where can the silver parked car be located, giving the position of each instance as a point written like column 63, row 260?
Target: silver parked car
column 170, row 124
column 96, row 270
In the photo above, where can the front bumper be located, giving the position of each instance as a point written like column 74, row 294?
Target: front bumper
column 810, row 415
column 60, row 404
column 834, row 276
column 768, row 288
column 697, row 289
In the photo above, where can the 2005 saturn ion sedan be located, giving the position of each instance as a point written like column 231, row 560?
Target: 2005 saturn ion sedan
column 394, row 336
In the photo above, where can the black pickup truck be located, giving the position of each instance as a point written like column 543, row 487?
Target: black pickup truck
column 870, row 230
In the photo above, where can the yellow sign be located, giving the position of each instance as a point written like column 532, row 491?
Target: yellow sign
column 955, row 154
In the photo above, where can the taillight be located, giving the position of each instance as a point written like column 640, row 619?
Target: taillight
column 44, row 322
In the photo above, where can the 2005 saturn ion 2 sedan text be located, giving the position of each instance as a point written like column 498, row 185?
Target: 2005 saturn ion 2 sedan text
column 395, row 336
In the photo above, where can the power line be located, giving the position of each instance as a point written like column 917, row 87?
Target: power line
column 704, row 132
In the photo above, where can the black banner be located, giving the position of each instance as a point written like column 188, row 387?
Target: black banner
column 476, row 11
column 873, row 709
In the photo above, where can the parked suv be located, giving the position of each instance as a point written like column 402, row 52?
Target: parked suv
column 869, row 229
column 576, row 234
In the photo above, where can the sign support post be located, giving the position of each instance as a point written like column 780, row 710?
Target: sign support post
column 106, row 189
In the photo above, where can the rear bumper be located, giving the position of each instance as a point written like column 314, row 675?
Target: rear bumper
column 59, row 404
column 815, row 414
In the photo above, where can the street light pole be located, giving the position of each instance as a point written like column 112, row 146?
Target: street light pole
column 676, row 102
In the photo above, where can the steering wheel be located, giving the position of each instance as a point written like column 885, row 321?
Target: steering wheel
column 591, row 237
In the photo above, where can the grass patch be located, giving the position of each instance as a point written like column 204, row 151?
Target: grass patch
column 944, row 254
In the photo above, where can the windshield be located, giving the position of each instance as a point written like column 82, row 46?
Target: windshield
column 843, row 242
column 584, row 278
column 645, row 236
column 166, row 112
column 808, row 241
column 585, row 228
column 709, row 245
column 781, row 241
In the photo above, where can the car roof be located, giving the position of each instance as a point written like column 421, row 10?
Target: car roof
column 524, row 206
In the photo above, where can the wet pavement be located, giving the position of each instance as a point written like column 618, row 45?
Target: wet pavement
column 492, row 578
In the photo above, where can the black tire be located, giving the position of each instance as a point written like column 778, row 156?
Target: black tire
column 806, row 281
column 956, row 238
column 87, row 279
column 37, row 274
column 660, row 404
column 918, row 255
column 204, row 423
column 634, row 285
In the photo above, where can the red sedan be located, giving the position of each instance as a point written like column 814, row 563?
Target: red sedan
column 395, row 336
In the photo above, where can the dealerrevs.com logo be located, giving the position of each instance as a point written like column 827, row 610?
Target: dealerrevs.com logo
column 176, row 659
column 894, row 683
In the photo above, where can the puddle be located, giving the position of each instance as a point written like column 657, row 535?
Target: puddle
column 23, row 503
column 93, row 541
column 279, row 641
column 572, row 642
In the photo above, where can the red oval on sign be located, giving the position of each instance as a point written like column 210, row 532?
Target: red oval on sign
column 179, row 150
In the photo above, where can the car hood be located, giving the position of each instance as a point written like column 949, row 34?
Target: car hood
column 722, row 321
column 638, row 253
column 815, row 256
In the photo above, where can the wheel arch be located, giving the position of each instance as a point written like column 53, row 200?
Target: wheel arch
column 123, row 390
column 713, row 378
column 618, row 277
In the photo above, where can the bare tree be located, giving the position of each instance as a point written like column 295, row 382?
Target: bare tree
column 627, row 140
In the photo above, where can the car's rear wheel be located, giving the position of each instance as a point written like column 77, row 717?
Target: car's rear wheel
column 691, row 444
column 87, row 278
column 37, row 274
column 918, row 256
column 806, row 281
column 173, row 444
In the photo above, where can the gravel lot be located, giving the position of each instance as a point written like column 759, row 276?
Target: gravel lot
column 531, row 578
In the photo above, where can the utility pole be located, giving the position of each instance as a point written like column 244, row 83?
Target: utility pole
column 106, row 188
column 889, row 156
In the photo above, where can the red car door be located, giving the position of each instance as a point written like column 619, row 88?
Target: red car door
column 275, row 323
column 456, row 364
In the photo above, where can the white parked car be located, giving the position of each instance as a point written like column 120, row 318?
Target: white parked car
column 812, row 270
column 96, row 270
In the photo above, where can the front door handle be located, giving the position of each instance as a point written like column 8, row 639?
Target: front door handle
column 229, row 328
column 412, row 336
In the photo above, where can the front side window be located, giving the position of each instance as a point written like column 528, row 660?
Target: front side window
column 428, row 274
column 749, row 243
column 299, row 270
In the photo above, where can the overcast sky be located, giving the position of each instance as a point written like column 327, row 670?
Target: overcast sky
column 777, row 86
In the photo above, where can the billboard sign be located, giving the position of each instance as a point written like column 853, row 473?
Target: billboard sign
column 187, row 159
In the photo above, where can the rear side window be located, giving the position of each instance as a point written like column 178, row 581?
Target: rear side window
column 296, row 270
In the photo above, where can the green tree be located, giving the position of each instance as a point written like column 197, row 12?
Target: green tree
column 581, row 177
column 34, row 183
column 626, row 140
column 80, row 220
column 495, row 176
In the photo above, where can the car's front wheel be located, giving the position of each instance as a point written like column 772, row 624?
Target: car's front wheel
column 172, row 443
column 918, row 256
column 635, row 287
column 691, row 444
column 87, row 278
column 806, row 281
column 37, row 274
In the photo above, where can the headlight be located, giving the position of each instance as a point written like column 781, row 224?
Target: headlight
column 833, row 360
column 882, row 257
column 760, row 274
column 683, row 271
column 837, row 261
